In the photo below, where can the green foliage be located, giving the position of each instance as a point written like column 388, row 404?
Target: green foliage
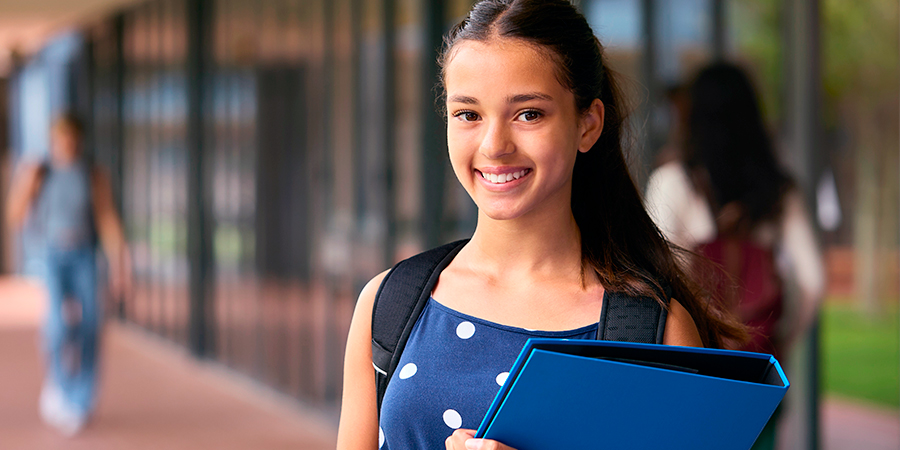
column 859, row 45
column 861, row 355
column 758, row 35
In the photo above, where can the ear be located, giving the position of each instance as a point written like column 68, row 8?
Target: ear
column 591, row 125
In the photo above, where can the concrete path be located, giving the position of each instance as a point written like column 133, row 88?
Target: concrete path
column 850, row 425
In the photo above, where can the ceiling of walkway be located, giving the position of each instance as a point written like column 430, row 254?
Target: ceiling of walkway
column 26, row 24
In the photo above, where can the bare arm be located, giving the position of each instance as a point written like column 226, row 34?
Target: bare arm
column 806, row 263
column 358, row 427
column 22, row 193
column 112, row 235
column 680, row 327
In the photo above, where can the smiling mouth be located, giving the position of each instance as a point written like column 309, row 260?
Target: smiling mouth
column 504, row 177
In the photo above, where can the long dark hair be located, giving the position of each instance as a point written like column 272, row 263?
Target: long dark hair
column 729, row 150
column 618, row 239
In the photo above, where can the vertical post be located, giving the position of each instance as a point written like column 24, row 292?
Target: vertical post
column 642, row 162
column 718, row 30
column 6, row 160
column 198, row 239
column 389, row 19
column 118, row 139
column 434, row 136
column 804, row 136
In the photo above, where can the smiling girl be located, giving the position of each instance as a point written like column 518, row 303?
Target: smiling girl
column 534, row 131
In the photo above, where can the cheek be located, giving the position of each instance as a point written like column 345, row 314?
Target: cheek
column 459, row 150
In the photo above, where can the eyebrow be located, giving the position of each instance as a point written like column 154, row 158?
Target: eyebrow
column 519, row 98
column 522, row 98
column 462, row 99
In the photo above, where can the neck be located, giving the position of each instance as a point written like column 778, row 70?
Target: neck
column 62, row 163
column 549, row 244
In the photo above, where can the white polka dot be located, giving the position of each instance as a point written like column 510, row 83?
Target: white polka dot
column 465, row 330
column 452, row 419
column 408, row 371
column 380, row 437
column 502, row 378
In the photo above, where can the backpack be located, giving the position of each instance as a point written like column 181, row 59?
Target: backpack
column 752, row 287
column 406, row 288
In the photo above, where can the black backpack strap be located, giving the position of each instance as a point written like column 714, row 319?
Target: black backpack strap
column 398, row 304
column 632, row 319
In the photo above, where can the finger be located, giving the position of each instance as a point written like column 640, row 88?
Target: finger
column 485, row 444
column 457, row 440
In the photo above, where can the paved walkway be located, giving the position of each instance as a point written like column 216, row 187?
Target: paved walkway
column 155, row 396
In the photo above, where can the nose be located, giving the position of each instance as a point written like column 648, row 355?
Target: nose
column 496, row 141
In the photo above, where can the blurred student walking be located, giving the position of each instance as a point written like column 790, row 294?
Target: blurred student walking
column 68, row 202
column 729, row 200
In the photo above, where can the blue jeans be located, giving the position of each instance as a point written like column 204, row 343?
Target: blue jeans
column 70, row 338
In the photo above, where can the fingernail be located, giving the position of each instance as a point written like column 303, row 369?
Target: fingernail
column 474, row 444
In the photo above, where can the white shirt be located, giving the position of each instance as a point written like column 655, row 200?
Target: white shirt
column 685, row 218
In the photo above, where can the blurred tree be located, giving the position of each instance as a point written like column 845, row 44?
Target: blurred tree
column 861, row 69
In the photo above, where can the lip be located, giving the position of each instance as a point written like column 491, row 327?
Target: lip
column 502, row 170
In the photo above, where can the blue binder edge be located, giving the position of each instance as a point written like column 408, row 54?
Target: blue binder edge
column 533, row 342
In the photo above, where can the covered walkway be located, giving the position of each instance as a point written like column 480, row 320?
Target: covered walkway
column 153, row 395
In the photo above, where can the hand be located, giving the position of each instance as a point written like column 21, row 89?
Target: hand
column 120, row 275
column 463, row 439
column 34, row 176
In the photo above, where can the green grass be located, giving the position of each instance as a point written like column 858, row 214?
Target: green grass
column 861, row 355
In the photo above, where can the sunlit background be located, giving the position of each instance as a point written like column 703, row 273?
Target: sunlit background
column 270, row 156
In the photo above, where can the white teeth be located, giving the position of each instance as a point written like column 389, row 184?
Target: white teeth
column 503, row 177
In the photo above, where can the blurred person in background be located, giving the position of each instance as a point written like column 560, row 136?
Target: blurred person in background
column 728, row 200
column 68, row 202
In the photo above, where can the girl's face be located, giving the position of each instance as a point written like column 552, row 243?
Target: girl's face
column 513, row 130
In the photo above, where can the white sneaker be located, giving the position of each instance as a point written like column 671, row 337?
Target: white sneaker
column 55, row 411
column 70, row 422
column 50, row 403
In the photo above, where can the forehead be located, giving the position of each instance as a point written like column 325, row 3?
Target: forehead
column 500, row 66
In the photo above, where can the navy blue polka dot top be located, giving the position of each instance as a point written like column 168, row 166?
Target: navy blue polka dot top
column 449, row 373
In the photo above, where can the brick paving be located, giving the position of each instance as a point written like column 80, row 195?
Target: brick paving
column 153, row 395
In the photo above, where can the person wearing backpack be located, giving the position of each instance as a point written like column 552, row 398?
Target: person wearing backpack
column 729, row 200
column 68, row 202
column 535, row 132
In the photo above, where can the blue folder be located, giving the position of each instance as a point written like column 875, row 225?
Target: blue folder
column 585, row 394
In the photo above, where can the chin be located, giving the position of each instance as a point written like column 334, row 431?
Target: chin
column 501, row 213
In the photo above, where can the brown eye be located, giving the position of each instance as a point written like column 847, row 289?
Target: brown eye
column 529, row 116
column 467, row 116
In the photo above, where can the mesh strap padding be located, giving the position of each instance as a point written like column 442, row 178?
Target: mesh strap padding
column 631, row 319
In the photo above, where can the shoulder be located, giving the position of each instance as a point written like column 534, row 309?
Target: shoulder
column 794, row 207
column 680, row 327
column 668, row 176
column 33, row 168
column 366, row 302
